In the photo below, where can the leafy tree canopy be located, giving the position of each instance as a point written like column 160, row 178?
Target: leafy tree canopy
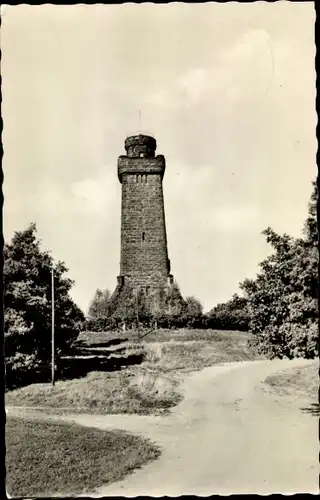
column 283, row 299
column 27, row 300
column 100, row 304
column 231, row 315
column 194, row 306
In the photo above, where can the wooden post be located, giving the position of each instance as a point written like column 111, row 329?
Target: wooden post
column 52, row 328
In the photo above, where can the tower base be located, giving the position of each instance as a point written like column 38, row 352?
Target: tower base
column 129, row 302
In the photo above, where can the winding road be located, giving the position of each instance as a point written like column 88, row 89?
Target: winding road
column 228, row 435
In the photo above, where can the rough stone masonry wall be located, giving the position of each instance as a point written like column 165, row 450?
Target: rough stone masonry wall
column 144, row 264
column 144, row 257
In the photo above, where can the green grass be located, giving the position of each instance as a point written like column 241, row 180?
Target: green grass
column 148, row 388
column 165, row 335
column 186, row 335
column 44, row 459
column 298, row 383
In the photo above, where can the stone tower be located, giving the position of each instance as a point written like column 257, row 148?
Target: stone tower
column 144, row 262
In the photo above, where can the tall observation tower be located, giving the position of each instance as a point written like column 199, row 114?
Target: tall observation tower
column 144, row 262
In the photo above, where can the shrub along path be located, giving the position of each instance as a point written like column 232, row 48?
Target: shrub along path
column 230, row 434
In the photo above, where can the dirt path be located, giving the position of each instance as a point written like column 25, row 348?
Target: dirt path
column 227, row 436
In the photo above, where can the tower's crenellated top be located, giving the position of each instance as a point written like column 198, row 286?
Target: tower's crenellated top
column 140, row 157
column 140, row 146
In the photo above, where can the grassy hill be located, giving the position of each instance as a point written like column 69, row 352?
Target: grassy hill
column 149, row 387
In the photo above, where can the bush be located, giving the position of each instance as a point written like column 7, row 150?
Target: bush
column 102, row 324
column 232, row 315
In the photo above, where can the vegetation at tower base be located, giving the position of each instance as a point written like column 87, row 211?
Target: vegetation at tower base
column 160, row 307
column 27, row 300
column 100, row 305
column 283, row 299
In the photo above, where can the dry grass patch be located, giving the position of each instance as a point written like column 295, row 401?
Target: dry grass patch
column 101, row 393
column 155, row 390
column 45, row 459
column 154, row 353
column 192, row 355
column 300, row 384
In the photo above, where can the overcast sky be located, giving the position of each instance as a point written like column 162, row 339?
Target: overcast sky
column 228, row 91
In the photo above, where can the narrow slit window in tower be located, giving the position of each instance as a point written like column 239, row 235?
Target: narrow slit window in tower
column 143, row 236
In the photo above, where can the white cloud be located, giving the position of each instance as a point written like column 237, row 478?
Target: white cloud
column 230, row 72
column 94, row 194
column 236, row 218
column 247, row 46
column 193, row 83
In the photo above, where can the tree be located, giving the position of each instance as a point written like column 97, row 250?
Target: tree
column 193, row 306
column 100, row 304
column 125, row 308
column 283, row 299
column 27, row 300
column 174, row 304
column 310, row 229
column 230, row 315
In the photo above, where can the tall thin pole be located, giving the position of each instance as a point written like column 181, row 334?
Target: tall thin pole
column 52, row 327
column 140, row 120
column 137, row 310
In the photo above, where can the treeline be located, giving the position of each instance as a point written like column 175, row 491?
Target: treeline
column 232, row 315
column 135, row 312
